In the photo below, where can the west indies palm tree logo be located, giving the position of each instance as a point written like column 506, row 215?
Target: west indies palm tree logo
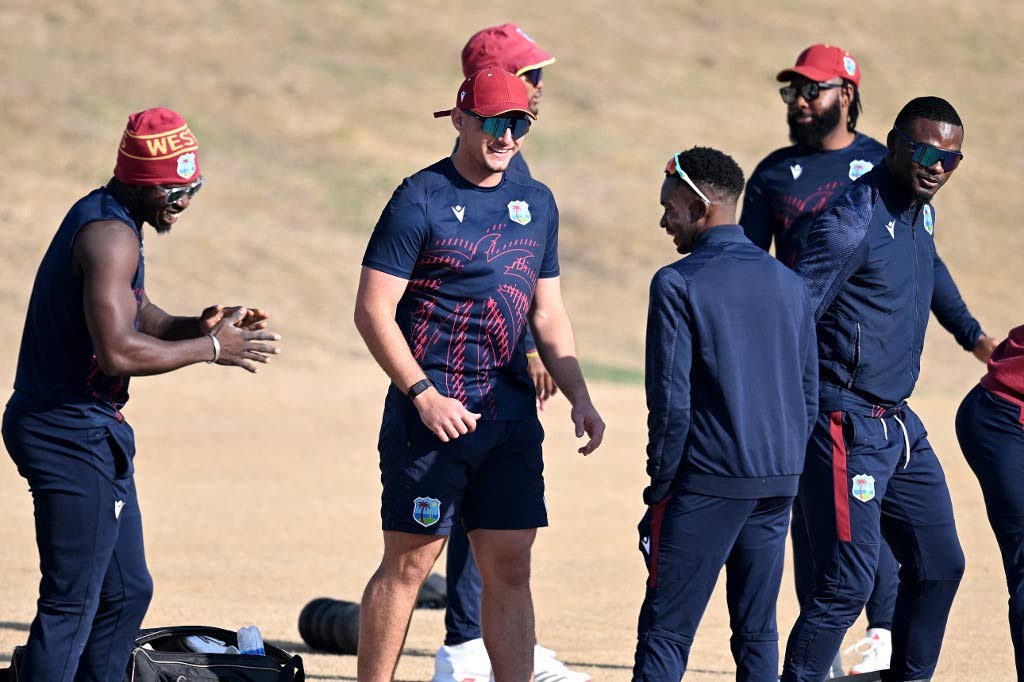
column 426, row 511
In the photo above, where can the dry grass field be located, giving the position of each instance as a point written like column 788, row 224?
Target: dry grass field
column 309, row 114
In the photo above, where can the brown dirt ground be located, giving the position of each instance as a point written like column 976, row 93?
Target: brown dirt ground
column 309, row 115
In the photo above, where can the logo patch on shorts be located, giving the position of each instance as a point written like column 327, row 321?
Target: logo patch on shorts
column 864, row 487
column 426, row 511
column 519, row 212
column 187, row 165
column 117, row 508
column 859, row 167
column 929, row 220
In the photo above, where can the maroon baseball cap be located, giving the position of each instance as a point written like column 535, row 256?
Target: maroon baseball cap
column 822, row 62
column 490, row 92
column 506, row 47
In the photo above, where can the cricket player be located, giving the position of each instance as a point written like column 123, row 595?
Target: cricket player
column 90, row 327
column 874, row 275
column 463, row 258
column 732, row 393
column 786, row 192
column 990, row 428
column 463, row 657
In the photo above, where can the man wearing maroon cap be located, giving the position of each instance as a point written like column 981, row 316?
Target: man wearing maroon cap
column 463, row 258
column 786, row 192
column 463, row 655
column 90, row 326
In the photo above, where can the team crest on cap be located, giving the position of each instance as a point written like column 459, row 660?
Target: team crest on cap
column 849, row 65
column 859, row 167
column 426, row 511
column 187, row 165
column 519, row 212
column 864, row 487
column 929, row 220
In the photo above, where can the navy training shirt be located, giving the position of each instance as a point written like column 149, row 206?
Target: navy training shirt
column 472, row 256
column 731, row 372
column 58, row 378
column 793, row 185
column 873, row 275
column 518, row 164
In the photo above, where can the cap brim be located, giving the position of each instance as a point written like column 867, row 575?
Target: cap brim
column 504, row 108
column 814, row 74
column 545, row 60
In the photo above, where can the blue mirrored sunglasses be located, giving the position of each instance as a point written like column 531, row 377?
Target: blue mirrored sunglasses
column 495, row 126
column 926, row 155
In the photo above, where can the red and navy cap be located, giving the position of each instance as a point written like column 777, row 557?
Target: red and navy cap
column 822, row 62
column 491, row 92
column 506, row 47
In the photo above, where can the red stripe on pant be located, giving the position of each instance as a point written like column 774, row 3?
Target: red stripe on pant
column 657, row 514
column 842, row 499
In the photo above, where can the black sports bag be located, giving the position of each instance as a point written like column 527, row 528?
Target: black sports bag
column 170, row 661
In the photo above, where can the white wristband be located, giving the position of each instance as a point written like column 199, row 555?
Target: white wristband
column 216, row 349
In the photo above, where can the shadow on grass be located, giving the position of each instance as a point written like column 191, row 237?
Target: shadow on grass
column 10, row 625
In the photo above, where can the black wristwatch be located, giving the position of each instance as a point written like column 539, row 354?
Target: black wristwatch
column 418, row 388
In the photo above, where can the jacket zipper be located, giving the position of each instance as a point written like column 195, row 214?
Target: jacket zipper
column 917, row 295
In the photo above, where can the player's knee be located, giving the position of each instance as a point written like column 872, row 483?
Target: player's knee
column 140, row 593
column 942, row 559
column 407, row 570
column 509, row 571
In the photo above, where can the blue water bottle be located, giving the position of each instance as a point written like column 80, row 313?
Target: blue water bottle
column 250, row 642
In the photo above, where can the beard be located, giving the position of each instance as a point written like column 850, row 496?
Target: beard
column 811, row 134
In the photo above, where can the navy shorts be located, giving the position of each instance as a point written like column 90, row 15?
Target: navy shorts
column 493, row 477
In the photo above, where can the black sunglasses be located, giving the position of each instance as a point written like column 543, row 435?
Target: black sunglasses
column 533, row 75
column 809, row 91
column 495, row 126
column 926, row 155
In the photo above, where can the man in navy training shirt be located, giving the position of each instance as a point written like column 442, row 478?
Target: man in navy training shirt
column 732, row 379
column 90, row 326
column 873, row 274
column 463, row 257
column 787, row 191
column 463, row 657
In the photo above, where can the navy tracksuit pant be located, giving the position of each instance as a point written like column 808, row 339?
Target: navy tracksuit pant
column 687, row 538
column 462, row 615
column 866, row 475
column 95, row 586
column 882, row 601
column 991, row 434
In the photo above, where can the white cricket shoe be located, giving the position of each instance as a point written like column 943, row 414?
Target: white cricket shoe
column 466, row 662
column 876, row 650
column 547, row 668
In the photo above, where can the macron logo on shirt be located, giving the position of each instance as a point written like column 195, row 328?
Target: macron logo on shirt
column 891, row 226
column 459, row 211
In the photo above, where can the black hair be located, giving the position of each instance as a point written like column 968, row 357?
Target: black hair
column 930, row 108
column 712, row 169
column 855, row 108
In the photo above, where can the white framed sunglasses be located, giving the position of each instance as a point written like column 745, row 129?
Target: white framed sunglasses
column 673, row 168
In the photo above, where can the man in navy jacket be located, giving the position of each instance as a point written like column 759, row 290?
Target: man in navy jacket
column 732, row 387
column 873, row 275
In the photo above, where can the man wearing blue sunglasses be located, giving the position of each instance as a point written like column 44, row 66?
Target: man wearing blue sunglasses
column 874, row 276
column 463, row 259
column 463, row 655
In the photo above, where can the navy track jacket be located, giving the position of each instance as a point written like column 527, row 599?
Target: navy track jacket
column 732, row 372
column 873, row 274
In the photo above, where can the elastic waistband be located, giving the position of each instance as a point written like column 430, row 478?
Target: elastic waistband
column 837, row 400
